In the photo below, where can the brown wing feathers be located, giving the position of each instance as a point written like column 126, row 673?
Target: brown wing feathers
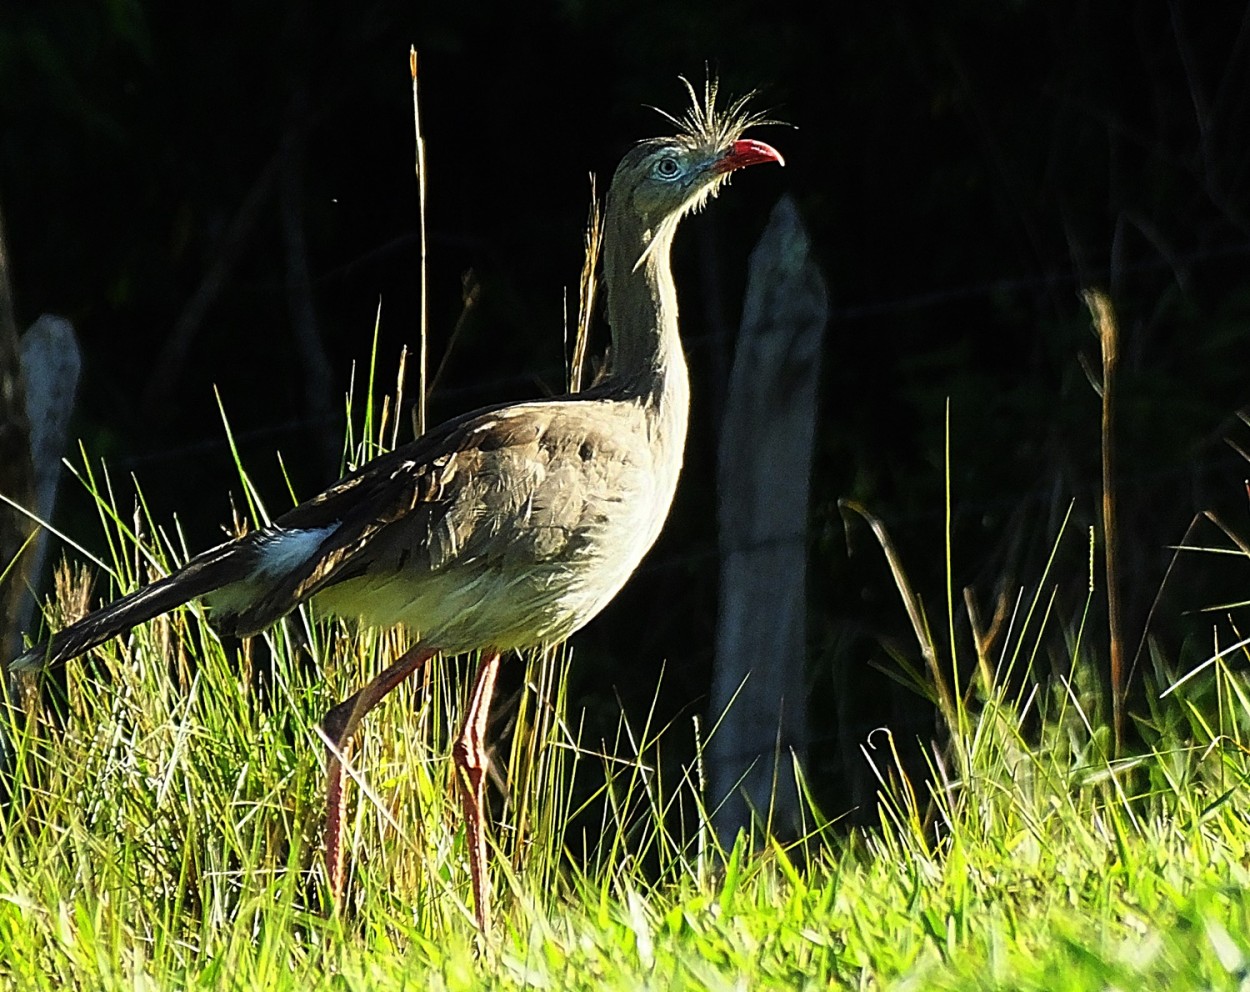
column 381, row 495
column 353, row 511
column 210, row 571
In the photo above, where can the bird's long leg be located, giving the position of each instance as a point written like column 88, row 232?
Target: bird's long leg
column 338, row 726
column 470, row 758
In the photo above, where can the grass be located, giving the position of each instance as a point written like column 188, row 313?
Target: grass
column 165, row 830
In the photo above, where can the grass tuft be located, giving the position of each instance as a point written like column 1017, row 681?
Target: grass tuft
column 164, row 830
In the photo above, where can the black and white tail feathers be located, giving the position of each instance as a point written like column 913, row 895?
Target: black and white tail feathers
column 215, row 569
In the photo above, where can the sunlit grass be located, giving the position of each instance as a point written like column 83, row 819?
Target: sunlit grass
column 165, row 830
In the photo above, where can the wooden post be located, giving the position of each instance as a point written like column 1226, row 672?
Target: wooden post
column 759, row 691
column 15, row 469
column 51, row 366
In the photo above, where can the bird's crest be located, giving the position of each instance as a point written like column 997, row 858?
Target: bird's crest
column 705, row 124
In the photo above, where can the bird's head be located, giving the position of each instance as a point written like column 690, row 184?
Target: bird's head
column 661, row 180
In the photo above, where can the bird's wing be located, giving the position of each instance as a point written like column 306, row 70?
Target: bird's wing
column 503, row 483
column 340, row 521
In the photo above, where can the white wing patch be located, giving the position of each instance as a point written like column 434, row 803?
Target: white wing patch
column 286, row 550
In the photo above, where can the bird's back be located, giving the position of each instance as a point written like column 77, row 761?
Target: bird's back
column 512, row 526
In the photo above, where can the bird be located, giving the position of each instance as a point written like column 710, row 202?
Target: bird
column 505, row 528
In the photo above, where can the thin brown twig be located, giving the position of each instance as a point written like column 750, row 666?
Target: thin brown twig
column 400, row 374
column 981, row 641
column 423, row 352
column 1107, row 328
column 915, row 611
column 586, row 289
column 471, row 289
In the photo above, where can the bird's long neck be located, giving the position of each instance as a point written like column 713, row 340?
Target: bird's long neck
column 646, row 359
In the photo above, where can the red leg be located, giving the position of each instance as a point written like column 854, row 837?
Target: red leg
column 469, row 755
column 338, row 726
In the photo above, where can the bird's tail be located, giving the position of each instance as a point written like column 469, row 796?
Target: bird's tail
column 203, row 574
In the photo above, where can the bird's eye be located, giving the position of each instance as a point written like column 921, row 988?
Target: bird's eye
column 667, row 168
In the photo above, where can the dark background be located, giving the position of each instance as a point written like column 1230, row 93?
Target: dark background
column 965, row 169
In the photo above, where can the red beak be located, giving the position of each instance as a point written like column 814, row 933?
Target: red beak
column 744, row 153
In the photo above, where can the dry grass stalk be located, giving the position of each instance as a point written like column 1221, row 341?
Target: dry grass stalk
column 1107, row 328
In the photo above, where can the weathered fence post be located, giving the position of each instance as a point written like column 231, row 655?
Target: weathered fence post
column 759, row 691
column 15, row 468
column 51, row 366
